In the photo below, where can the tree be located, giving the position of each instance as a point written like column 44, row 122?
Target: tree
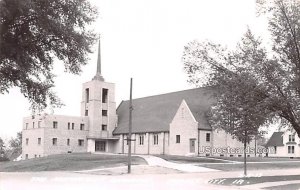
column 34, row 34
column 3, row 156
column 262, row 83
column 16, row 143
column 254, row 85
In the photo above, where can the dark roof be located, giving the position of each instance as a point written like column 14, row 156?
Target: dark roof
column 275, row 140
column 155, row 113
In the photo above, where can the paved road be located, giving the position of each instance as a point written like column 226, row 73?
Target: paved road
column 74, row 181
column 165, row 175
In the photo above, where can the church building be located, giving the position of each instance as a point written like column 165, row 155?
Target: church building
column 172, row 123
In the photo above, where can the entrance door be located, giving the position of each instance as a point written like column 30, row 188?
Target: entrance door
column 192, row 145
column 100, row 146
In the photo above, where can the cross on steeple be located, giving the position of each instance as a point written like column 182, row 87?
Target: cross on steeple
column 98, row 75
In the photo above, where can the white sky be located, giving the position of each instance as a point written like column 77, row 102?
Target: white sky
column 143, row 39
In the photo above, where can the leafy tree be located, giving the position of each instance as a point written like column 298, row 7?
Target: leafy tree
column 34, row 34
column 16, row 143
column 3, row 156
column 254, row 85
column 261, row 82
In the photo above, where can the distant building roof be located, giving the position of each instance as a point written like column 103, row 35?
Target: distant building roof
column 275, row 140
column 155, row 113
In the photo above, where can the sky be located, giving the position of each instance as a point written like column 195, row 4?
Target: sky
column 142, row 39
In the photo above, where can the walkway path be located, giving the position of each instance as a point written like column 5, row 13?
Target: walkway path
column 156, row 161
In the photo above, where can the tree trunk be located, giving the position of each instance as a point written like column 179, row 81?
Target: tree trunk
column 245, row 158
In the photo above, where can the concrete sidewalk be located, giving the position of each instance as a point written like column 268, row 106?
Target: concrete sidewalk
column 156, row 161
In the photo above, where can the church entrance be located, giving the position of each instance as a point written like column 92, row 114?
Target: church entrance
column 100, row 146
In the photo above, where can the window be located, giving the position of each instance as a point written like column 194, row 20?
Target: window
column 104, row 112
column 69, row 125
column 73, row 126
column 104, row 95
column 39, row 141
column 291, row 149
column 26, row 156
column 54, row 124
column 35, row 156
column 80, row 142
column 291, row 138
column 127, row 139
column 81, row 126
column 207, row 137
column 275, row 149
column 39, row 124
column 26, row 126
column 155, row 139
column 54, row 141
column 87, row 95
column 68, row 142
column 32, row 124
column 104, row 128
column 86, row 112
column 177, row 138
column 27, row 141
column 141, row 139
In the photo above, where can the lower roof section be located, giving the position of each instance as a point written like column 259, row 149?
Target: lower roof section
column 103, row 138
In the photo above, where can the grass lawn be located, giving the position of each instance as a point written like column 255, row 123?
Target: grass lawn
column 191, row 160
column 68, row 162
column 258, row 159
column 253, row 166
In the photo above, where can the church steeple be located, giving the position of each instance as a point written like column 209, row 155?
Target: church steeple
column 98, row 75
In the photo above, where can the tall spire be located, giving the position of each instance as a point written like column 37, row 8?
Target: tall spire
column 98, row 75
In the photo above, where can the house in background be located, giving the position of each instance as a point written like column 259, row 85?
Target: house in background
column 284, row 144
column 172, row 123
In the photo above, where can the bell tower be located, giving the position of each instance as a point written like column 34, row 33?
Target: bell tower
column 98, row 104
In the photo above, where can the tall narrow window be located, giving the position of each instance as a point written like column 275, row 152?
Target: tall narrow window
column 26, row 156
column 87, row 95
column 104, row 95
column 39, row 124
column 291, row 138
column 177, row 138
column 141, row 139
column 291, row 149
column 73, row 126
column 69, row 125
column 32, row 124
column 104, row 112
column 26, row 125
column 86, row 112
column 27, row 141
column 39, row 141
column 68, row 142
column 155, row 139
column 81, row 126
column 54, row 141
column 54, row 124
column 207, row 137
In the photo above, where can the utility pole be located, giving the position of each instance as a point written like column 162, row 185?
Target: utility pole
column 130, row 128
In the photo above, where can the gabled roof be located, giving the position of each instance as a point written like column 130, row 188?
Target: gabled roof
column 275, row 140
column 155, row 113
